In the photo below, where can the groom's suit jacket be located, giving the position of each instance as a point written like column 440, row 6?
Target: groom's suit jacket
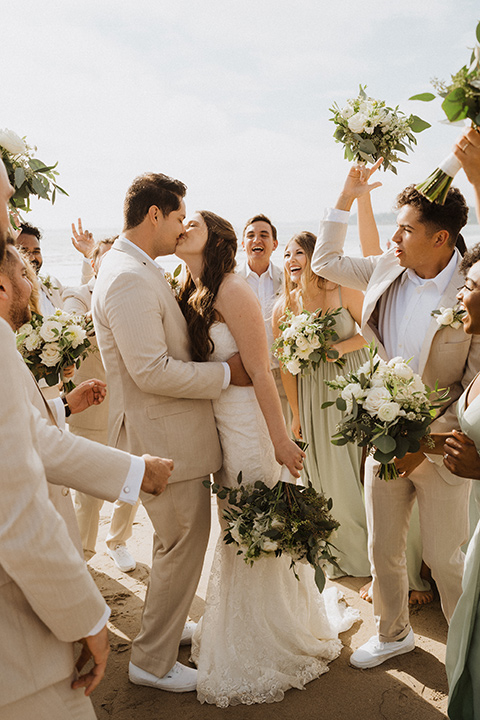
column 159, row 399
column 448, row 356
column 47, row 597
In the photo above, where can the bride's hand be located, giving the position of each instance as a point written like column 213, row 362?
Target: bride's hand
column 289, row 454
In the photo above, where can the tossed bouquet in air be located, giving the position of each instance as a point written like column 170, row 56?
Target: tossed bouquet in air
column 49, row 344
column 306, row 340
column 461, row 101
column 287, row 518
column 370, row 130
column 27, row 174
column 388, row 409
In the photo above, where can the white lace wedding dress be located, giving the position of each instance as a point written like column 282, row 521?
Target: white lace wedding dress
column 263, row 631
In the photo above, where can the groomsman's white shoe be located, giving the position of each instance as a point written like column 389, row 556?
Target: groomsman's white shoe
column 122, row 558
column 374, row 652
column 180, row 678
column 187, row 634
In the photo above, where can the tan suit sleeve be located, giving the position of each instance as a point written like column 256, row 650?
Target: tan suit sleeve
column 328, row 260
column 136, row 320
column 35, row 549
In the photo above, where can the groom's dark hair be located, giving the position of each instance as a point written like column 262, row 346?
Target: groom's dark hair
column 151, row 189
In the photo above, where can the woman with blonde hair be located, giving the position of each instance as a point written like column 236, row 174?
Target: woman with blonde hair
column 333, row 470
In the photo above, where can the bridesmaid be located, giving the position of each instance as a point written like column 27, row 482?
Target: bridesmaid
column 333, row 470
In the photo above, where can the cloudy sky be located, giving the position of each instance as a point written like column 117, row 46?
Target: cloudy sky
column 230, row 97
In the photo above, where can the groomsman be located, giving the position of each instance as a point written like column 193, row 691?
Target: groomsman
column 402, row 287
column 266, row 280
column 51, row 289
column 160, row 402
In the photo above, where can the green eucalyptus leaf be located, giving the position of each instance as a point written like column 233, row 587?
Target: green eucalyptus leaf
column 385, row 443
column 319, row 578
column 424, row 97
column 19, row 176
column 418, row 125
column 341, row 404
column 477, row 33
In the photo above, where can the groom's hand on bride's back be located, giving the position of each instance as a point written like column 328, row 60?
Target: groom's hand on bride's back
column 239, row 375
column 157, row 472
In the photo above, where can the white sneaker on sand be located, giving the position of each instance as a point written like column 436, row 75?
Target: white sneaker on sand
column 374, row 652
column 180, row 678
column 122, row 558
column 187, row 634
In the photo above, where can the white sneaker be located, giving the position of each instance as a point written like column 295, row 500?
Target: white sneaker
column 180, row 678
column 374, row 652
column 187, row 634
column 122, row 558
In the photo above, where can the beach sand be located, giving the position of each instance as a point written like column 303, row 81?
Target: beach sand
column 411, row 686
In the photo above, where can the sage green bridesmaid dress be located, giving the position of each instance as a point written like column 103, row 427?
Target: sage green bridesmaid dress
column 463, row 645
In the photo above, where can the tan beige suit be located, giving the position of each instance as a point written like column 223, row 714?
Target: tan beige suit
column 47, row 597
column 451, row 358
column 159, row 404
column 93, row 424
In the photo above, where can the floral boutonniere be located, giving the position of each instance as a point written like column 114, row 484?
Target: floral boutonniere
column 48, row 284
column 449, row 317
column 173, row 281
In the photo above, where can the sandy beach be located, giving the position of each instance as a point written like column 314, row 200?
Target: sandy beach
column 411, row 686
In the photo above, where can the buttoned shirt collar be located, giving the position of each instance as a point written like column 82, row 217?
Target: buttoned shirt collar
column 268, row 271
column 440, row 281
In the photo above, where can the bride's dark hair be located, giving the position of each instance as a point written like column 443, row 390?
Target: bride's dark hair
column 197, row 303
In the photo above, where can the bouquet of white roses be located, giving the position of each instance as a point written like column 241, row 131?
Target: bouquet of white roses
column 306, row 340
column 461, row 100
column 287, row 518
column 27, row 174
column 388, row 409
column 49, row 344
column 370, row 130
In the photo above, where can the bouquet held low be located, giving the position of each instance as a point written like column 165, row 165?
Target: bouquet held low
column 387, row 409
column 49, row 344
column 306, row 340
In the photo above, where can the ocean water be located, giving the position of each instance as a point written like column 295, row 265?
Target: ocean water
column 62, row 260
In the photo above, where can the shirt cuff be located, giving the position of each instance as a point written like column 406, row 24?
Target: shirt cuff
column 58, row 409
column 335, row 215
column 101, row 623
column 228, row 375
column 133, row 481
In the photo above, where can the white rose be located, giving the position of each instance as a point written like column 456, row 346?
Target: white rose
column 50, row 330
column 314, row 342
column 417, row 384
column 302, row 342
column 269, row 545
column 369, row 129
column 388, row 411
column 357, row 123
column 51, row 354
column 445, row 317
column 12, row 142
column 376, row 397
column 304, row 354
column 26, row 329
column 32, row 341
column 289, row 333
column 395, row 361
column 347, row 112
column 75, row 334
column 352, row 389
column 293, row 366
column 403, row 371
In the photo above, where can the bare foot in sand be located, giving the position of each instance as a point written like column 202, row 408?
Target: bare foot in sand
column 365, row 592
column 420, row 597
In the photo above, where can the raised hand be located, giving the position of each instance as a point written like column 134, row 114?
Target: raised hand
column 157, row 472
column 88, row 393
column 356, row 184
column 82, row 240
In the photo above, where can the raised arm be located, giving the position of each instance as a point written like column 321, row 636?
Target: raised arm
column 467, row 151
column 241, row 311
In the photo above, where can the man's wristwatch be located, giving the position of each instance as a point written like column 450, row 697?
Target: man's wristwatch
column 68, row 412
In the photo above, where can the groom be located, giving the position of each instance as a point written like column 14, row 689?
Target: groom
column 160, row 400
column 402, row 288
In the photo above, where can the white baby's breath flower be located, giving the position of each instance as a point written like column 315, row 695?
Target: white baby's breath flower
column 12, row 142
column 50, row 330
column 51, row 354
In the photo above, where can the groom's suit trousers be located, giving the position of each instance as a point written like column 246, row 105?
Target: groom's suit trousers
column 181, row 520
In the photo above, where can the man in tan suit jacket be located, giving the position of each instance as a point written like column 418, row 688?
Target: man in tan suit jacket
column 402, row 288
column 160, row 401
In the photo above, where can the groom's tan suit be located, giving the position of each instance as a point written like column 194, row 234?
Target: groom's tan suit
column 47, row 597
column 159, row 404
column 452, row 358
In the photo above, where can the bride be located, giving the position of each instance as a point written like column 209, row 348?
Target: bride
column 263, row 631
